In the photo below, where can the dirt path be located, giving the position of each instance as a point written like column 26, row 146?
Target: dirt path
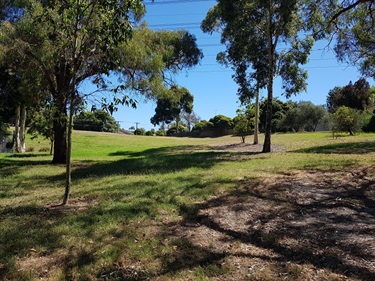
column 311, row 225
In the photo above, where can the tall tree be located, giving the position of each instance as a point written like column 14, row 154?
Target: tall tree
column 170, row 106
column 252, row 31
column 357, row 96
column 69, row 41
column 72, row 41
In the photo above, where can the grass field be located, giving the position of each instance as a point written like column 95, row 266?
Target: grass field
column 137, row 201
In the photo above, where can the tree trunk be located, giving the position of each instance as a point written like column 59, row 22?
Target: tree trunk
column 59, row 147
column 256, row 127
column 51, row 148
column 17, row 128
column 271, row 71
column 268, row 129
column 69, row 152
column 177, row 123
column 20, row 129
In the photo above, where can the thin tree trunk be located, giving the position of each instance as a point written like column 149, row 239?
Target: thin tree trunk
column 177, row 123
column 69, row 152
column 256, row 127
column 271, row 65
column 17, row 129
column 71, row 114
column 22, row 130
column 51, row 149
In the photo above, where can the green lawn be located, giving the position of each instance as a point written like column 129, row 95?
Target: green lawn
column 127, row 189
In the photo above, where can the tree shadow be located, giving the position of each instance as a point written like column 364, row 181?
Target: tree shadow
column 314, row 219
column 150, row 161
column 29, row 231
column 341, row 148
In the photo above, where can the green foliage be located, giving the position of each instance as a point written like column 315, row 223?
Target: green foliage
column 369, row 123
column 357, row 96
column 304, row 115
column 279, row 110
column 150, row 132
column 172, row 104
column 140, row 132
column 203, row 125
column 173, row 129
column 221, row 123
column 241, row 126
column 99, row 121
column 346, row 119
column 252, row 32
column 41, row 123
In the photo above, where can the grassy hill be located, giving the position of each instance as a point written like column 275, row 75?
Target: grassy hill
column 190, row 209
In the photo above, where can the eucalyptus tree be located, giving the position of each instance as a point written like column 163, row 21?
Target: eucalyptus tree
column 170, row 106
column 73, row 41
column 350, row 24
column 264, row 39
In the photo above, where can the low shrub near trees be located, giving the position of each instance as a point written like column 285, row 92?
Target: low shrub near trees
column 99, row 121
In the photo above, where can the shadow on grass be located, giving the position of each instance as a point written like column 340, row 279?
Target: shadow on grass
column 151, row 161
column 11, row 164
column 30, row 233
column 341, row 148
column 328, row 223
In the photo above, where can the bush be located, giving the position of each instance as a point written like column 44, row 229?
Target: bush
column 160, row 133
column 172, row 130
column 369, row 123
column 140, row 132
column 98, row 120
column 150, row 133
column 347, row 119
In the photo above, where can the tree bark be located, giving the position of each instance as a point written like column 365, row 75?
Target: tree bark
column 20, row 129
column 271, row 65
column 59, row 147
column 256, row 127
column 17, row 128
column 69, row 152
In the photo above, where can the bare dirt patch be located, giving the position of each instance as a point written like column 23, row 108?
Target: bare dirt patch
column 313, row 225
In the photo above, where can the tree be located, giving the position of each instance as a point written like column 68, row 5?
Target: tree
column 346, row 119
column 241, row 126
column 349, row 23
column 221, row 124
column 42, row 123
column 140, row 132
column 279, row 111
column 16, row 94
column 357, row 96
column 171, row 105
column 190, row 119
column 98, row 120
column 252, row 31
column 310, row 115
column 203, row 125
column 72, row 41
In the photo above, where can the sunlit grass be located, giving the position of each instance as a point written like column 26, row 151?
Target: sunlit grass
column 127, row 187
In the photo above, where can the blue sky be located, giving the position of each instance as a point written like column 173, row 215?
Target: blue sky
column 211, row 84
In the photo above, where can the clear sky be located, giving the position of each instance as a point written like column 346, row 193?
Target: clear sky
column 211, row 84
